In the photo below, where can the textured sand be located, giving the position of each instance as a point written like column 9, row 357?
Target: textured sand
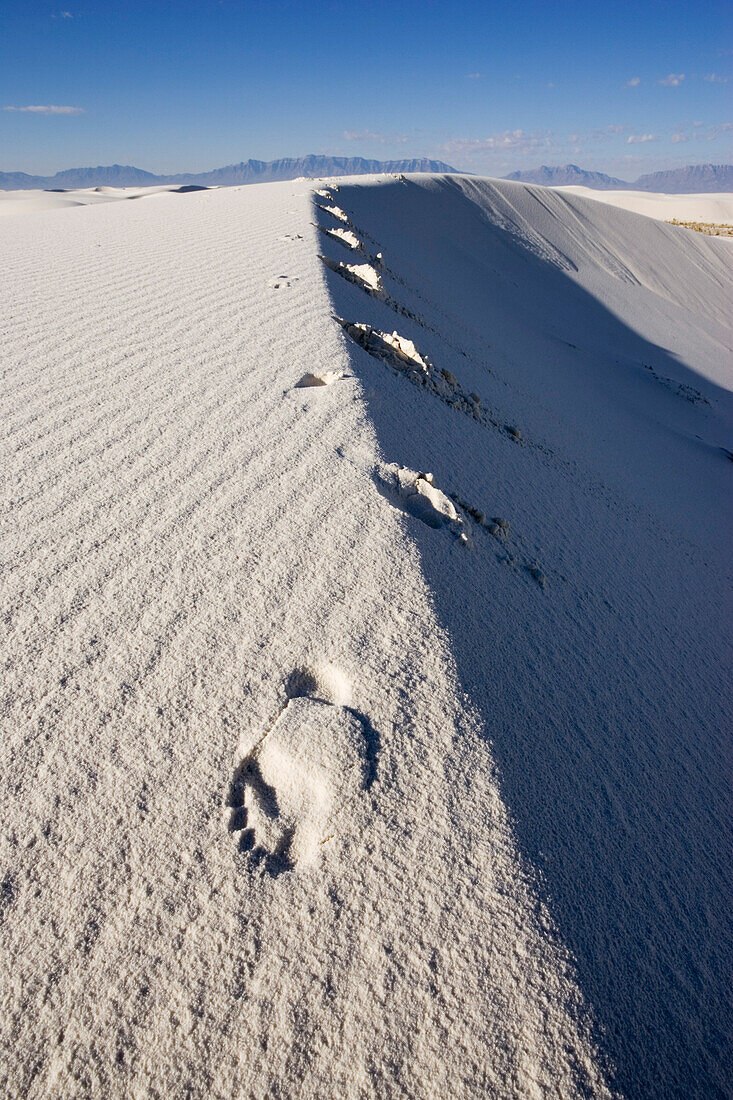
column 361, row 738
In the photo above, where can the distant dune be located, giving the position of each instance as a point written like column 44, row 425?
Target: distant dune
column 711, row 208
column 365, row 690
column 704, row 208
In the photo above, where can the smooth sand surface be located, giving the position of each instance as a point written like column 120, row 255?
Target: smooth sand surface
column 685, row 208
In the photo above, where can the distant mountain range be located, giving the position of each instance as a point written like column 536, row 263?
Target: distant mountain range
column 249, row 171
column 569, row 175
column 694, row 179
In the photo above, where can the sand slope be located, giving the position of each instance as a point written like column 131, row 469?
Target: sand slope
column 34, row 201
column 701, row 208
column 323, row 776
column 604, row 337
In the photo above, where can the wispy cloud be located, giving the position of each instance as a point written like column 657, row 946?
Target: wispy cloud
column 715, row 78
column 673, row 80
column 373, row 136
column 63, row 15
column 473, row 76
column 633, row 83
column 518, row 141
column 593, row 136
column 640, row 139
column 702, row 133
column 47, row 109
column 523, row 143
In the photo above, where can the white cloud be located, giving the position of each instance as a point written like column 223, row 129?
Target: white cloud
column 39, row 109
column 639, row 139
column 678, row 139
column 673, row 80
column 633, row 83
column 715, row 78
column 473, row 76
column 42, row 109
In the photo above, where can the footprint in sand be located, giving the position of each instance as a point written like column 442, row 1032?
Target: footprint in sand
column 325, row 378
column 294, row 791
column 335, row 212
column 345, row 237
column 417, row 494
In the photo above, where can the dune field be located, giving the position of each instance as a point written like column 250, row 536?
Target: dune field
column 365, row 709
column 710, row 208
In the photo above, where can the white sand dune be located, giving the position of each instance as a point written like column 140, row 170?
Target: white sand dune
column 685, row 208
column 364, row 704
column 33, row 201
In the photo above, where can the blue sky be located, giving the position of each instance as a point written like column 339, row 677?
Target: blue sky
column 489, row 87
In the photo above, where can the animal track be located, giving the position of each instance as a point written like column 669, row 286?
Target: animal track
column 417, row 494
column 294, row 790
column 278, row 282
column 369, row 279
column 362, row 275
column 291, row 237
column 402, row 356
column 335, row 212
column 340, row 215
column 680, row 388
column 372, row 284
column 326, row 378
column 346, row 237
column 501, row 531
column 352, row 241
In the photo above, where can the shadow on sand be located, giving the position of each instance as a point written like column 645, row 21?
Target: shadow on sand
column 602, row 695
